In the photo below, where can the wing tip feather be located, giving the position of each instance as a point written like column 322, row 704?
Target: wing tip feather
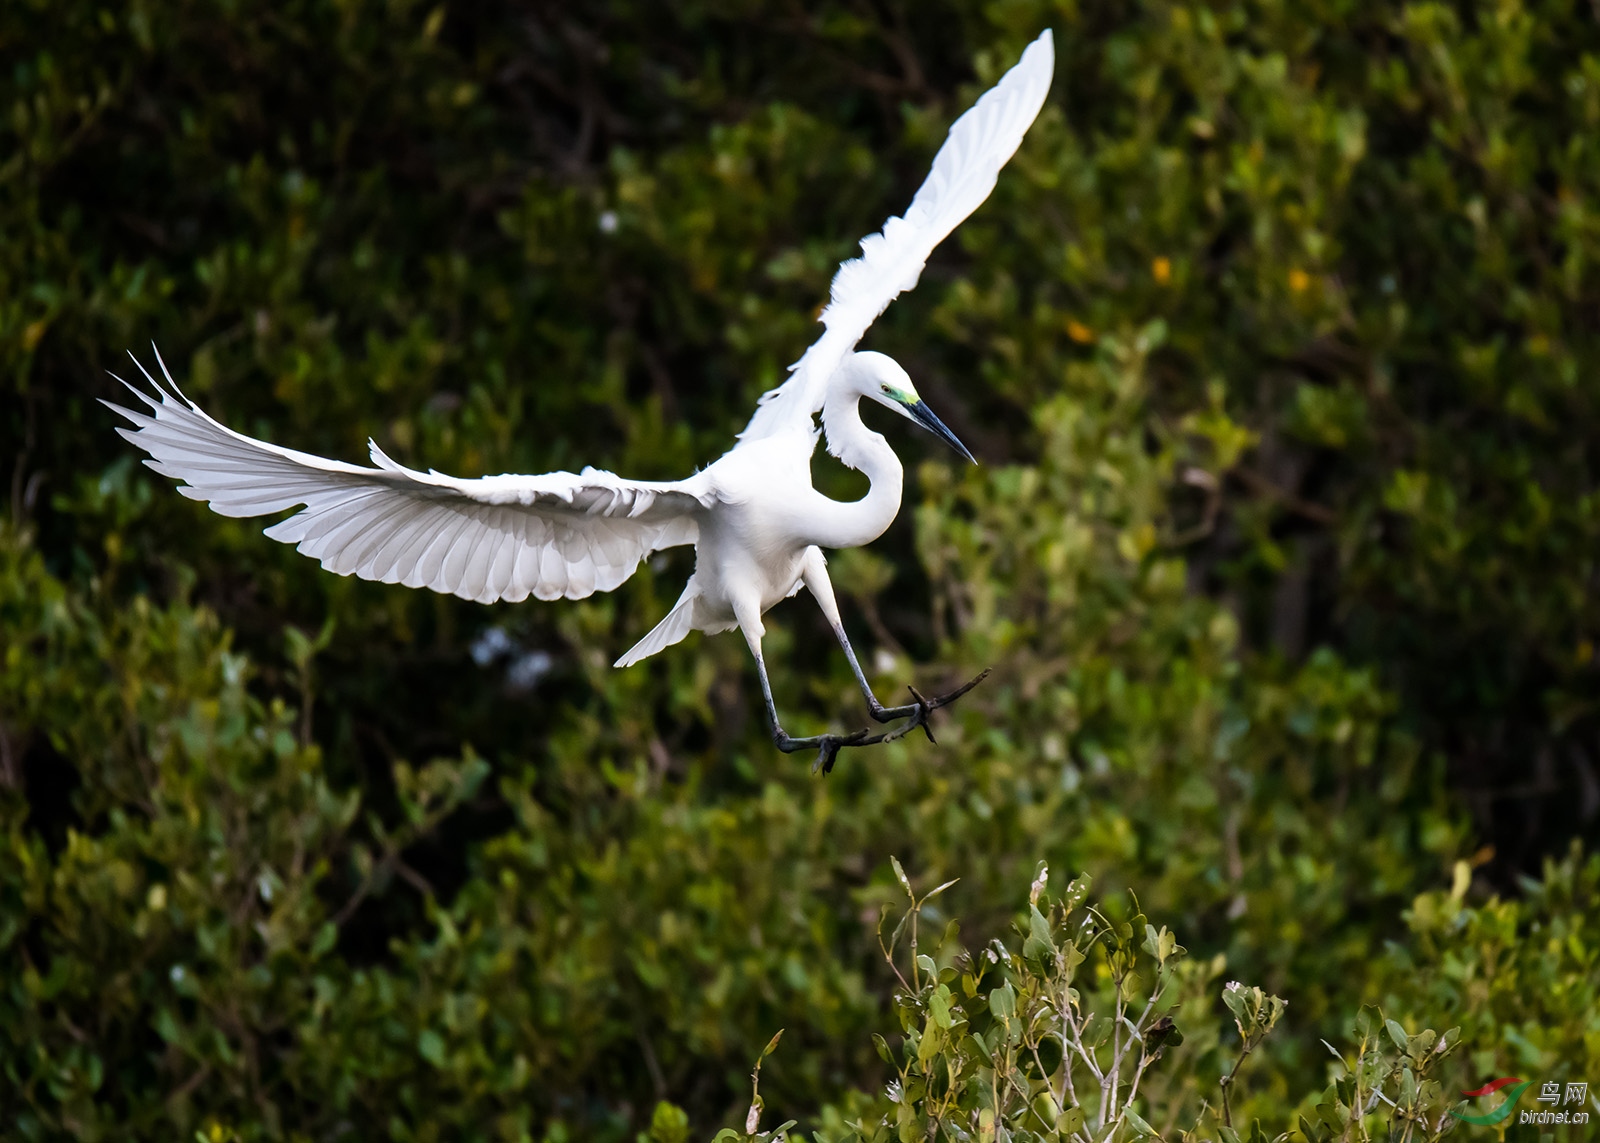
column 889, row 263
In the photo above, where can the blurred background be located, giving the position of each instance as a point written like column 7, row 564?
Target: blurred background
column 1277, row 343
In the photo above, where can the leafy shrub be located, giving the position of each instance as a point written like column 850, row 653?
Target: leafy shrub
column 179, row 935
column 1050, row 1036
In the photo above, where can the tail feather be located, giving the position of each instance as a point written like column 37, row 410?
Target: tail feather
column 678, row 623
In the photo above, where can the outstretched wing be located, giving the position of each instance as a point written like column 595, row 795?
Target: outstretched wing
column 964, row 172
column 499, row 537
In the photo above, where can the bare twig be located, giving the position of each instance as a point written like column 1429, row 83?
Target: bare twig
column 1227, row 1081
column 1289, row 500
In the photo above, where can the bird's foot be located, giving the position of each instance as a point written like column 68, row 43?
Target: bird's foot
column 916, row 713
column 827, row 746
column 828, row 750
column 918, row 710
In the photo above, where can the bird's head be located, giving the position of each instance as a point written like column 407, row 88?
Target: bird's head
column 881, row 379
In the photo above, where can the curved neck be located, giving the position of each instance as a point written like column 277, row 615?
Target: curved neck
column 853, row 523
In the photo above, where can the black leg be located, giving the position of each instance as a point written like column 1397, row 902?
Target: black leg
column 878, row 711
column 827, row 746
column 916, row 711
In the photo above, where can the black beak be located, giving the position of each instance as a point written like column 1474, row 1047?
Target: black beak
column 938, row 428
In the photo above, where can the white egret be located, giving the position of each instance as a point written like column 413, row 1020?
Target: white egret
column 757, row 525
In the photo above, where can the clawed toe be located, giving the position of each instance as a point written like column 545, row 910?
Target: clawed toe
column 915, row 714
column 830, row 745
column 919, row 716
column 947, row 699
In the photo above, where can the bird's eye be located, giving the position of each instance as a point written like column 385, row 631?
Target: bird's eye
column 885, row 386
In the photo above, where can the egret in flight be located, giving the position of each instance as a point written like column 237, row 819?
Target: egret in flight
column 757, row 525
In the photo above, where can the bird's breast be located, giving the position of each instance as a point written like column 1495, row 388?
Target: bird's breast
column 743, row 551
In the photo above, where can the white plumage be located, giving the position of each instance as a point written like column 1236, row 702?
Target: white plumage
column 496, row 538
column 757, row 524
column 964, row 172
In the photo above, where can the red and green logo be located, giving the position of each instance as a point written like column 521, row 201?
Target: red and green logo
column 1499, row 1114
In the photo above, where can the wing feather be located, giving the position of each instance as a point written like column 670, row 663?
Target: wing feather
column 344, row 521
column 580, row 575
column 525, row 569
column 457, row 572
column 386, row 565
column 385, row 520
column 553, row 578
column 479, row 584
column 497, row 537
column 434, row 547
column 964, row 172
column 502, row 557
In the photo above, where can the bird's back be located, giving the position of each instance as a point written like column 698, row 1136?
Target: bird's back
column 773, row 466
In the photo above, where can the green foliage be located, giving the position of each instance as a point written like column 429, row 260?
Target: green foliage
column 1520, row 976
column 1273, row 343
column 1391, row 1078
column 181, row 926
column 1050, row 1041
column 1052, row 1035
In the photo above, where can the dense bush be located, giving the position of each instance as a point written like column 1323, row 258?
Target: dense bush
column 1273, row 341
column 1074, row 1030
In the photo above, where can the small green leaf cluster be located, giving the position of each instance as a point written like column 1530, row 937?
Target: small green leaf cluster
column 1392, row 1078
column 1047, row 1040
column 752, row 1132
